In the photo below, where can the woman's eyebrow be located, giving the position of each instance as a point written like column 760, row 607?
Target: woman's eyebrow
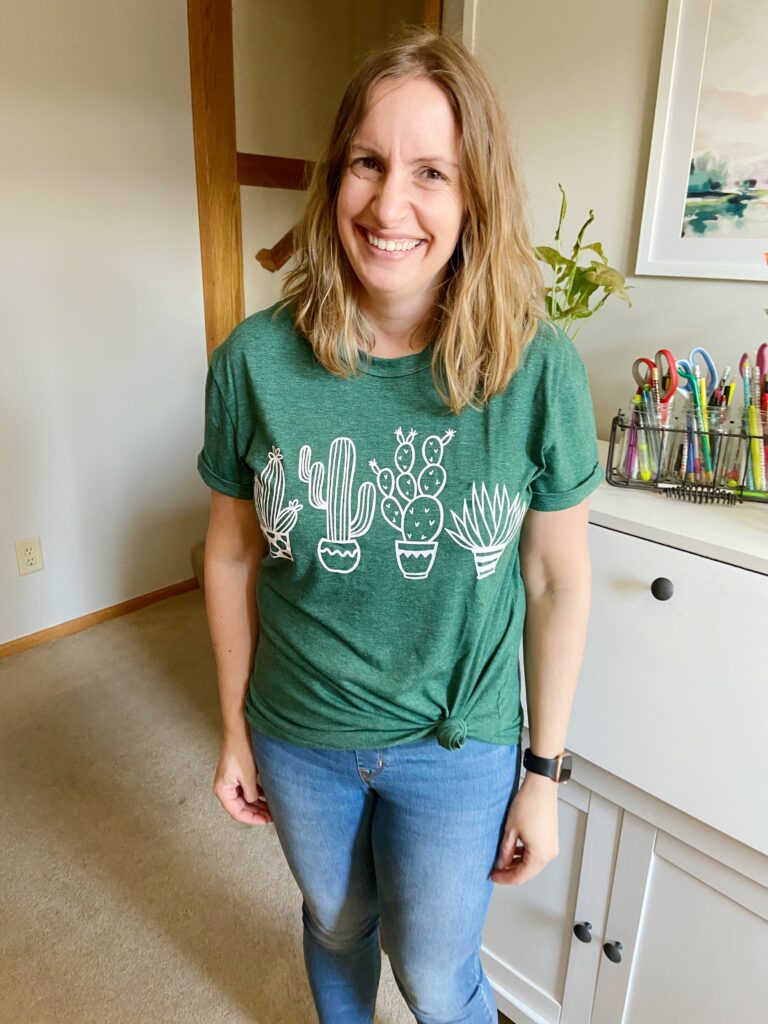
column 365, row 148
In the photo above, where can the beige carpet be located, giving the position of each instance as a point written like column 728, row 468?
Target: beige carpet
column 128, row 896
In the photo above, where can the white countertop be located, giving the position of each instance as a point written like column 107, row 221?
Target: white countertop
column 734, row 534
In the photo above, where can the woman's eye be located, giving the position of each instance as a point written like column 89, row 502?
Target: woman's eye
column 368, row 164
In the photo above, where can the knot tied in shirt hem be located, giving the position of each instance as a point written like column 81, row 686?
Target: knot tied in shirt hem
column 452, row 733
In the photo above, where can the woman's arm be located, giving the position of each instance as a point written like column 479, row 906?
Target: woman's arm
column 234, row 547
column 556, row 571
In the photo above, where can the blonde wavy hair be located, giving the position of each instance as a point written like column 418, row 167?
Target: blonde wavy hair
column 490, row 300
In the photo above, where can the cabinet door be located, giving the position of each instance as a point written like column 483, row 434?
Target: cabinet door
column 673, row 691
column 693, row 937
column 528, row 936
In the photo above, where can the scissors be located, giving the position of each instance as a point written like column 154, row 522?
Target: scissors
column 663, row 387
column 762, row 361
column 689, row 367
column 665, row 392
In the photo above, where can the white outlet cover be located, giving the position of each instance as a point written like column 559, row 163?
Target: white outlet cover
column 29, row 555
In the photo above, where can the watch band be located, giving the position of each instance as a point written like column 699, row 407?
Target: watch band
column 556, row 768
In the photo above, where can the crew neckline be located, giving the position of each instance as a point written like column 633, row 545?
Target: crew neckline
column 398, row 366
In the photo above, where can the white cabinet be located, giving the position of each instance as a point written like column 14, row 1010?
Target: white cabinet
column 656, row 909
column 672, row 690
column 693, row 934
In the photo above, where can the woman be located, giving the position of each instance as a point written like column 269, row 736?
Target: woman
column 400, row 456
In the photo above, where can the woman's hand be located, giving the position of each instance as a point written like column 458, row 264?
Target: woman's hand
column 236, row 782
column 532, row 818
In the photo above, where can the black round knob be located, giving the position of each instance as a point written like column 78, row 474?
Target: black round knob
column 583, row 931
column 611, row 950
column 662, row 588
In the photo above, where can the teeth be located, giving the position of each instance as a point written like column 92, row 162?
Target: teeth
column 404, row 245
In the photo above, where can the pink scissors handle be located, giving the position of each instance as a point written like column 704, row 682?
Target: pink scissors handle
column 762, row 360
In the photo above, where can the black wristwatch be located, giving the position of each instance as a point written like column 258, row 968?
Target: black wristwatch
column 556, row 768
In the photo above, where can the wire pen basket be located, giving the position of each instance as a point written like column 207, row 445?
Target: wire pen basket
column 722, row 464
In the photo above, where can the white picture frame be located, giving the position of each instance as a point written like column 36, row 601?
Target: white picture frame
column 662, row 251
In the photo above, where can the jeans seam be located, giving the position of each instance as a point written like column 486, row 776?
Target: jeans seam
column 493, row 1013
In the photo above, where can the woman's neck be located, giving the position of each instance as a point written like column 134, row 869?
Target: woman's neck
column 397, row 333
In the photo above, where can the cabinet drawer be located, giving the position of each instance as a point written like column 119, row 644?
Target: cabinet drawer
column 673, row 694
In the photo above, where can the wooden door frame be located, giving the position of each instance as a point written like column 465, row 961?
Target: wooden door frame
column 221, row 170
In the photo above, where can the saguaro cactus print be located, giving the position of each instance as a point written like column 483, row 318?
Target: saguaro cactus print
column 339, row 550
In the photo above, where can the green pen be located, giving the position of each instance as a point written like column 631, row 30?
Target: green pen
column 693, row 383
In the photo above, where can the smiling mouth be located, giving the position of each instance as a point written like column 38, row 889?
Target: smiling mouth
column 404, row 245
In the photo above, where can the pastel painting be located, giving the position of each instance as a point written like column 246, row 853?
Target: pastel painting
column 728, row 180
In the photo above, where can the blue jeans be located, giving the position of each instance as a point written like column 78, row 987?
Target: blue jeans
column 394, row 847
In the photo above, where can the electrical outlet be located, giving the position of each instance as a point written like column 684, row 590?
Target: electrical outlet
column 29, row 555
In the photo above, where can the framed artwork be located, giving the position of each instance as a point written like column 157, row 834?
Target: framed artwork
column 706, row 198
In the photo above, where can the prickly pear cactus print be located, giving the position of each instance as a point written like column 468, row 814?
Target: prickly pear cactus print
column 410, row 504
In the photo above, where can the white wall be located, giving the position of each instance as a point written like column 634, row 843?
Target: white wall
column 579, row 84
column 102, row 345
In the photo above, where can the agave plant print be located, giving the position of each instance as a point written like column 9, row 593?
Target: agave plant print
column 487, row 525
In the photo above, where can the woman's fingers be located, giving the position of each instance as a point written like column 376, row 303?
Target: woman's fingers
column 236, row 784
column 232, row 798
column 517, row 868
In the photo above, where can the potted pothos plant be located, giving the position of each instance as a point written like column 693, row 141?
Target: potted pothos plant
column 578, row 289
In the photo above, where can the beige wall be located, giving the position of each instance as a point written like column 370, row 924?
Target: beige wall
column 292, row 64
column 102, row 344
column 579, row 84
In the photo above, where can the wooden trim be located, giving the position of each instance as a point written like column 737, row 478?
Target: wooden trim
column 273, row 171
column 211, row 67
column 433, row 14
column 274, row 258
column 24, row 643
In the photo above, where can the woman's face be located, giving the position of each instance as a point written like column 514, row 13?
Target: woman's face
column 401, row 184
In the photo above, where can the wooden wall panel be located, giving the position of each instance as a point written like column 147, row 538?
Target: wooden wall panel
column 218, row 192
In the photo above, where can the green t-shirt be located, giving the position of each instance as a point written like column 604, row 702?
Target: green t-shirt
column 391, row 604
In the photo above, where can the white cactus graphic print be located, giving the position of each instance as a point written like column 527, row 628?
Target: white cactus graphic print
column 409, row 504
column 418, row 517
column 275, row 520
column 338, row 551
column 488, row 527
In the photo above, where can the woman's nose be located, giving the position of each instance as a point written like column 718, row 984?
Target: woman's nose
column 391, row 199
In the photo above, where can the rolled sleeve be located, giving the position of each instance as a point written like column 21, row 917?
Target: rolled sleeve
column 219, row 463
column 570, row 468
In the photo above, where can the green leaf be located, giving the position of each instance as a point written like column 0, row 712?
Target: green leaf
column 595, row 247
column 581, row 286
column 610, row 279
column 584, row 226
column 563, row 208
column 547, row 254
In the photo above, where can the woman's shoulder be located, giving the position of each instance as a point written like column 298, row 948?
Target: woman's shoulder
column 257, row 340
column 549, row 350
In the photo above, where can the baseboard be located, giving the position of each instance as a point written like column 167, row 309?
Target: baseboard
column 44, row 636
